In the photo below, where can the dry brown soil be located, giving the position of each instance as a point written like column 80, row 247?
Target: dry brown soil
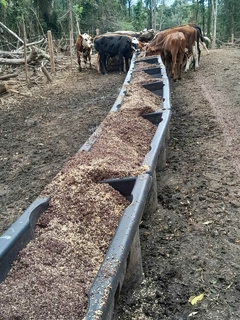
column 191, row 244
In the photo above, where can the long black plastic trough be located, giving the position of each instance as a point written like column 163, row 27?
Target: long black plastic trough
column 161, row 87
column 157, row 61
column 158, row 71
column 122, row 265
column 122, row 262
column 19, row 234
column 126, row 82
column 155, row 159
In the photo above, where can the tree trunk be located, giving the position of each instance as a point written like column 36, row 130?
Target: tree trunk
column 11, row 32
column 50, row 46
column 47, row 74
column 8, row 76
column 70, row 30
column 214, row 22
column 32, row 56
column 209, row 18
column 154, row 14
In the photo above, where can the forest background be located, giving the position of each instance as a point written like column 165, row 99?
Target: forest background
column 219, row 19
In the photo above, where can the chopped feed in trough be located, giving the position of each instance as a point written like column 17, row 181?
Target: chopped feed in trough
column 53, row 274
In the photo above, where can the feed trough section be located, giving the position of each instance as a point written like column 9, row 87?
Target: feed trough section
column 87, row 219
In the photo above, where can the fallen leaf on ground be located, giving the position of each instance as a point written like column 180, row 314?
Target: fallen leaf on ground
column 192, row 314
column 207, row 222
column 194, row 299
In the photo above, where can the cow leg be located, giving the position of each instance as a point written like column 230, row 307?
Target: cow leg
column 189, row 61
column 199, row 53
column 180, row 68
column 181, row 58
column 79, row 60
column 195, row 55
column 127, row 63
column 103, row 63
column 174, row 65
column 181, row 55
column 168, row 64
column 174, row 70
column 89, row 58
column 120, row 63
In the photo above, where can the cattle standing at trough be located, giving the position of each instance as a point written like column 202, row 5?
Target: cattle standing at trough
column 84, row 46
column 190, row 33
column 173, row 53
column 115, row 45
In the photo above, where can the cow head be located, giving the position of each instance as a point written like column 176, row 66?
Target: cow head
column 149, row 51
column 142, row 46
column 155, row 50
column 86, row 40
column 135, row 43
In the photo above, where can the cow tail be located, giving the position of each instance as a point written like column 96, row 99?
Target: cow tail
column 207, row 39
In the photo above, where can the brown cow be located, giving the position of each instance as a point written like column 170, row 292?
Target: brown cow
column 190, row 34
column 84, row 45
column 174, row 51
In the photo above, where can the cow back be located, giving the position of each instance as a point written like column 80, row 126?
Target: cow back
column 113, row 45
column 190, row 34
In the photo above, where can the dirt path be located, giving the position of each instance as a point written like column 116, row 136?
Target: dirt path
column 221, row 88
column 191, row 245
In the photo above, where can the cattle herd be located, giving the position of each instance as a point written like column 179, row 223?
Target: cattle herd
column 179, row 47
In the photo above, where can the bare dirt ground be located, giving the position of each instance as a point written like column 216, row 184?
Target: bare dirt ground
column 191, row 244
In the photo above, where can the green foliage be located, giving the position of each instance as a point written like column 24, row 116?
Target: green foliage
column 16, row 13
column 78, row 11
column 181, row 13
column 139, row 16
column 3, row 2
column 125, row 25
column 111, row 15
column 229, row 20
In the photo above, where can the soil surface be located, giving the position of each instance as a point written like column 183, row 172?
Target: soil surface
column 191, row 244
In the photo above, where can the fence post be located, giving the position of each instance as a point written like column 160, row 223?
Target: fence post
column 25, row 52
column 50, row 45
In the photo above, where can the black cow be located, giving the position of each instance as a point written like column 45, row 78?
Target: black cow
column 121, row 46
